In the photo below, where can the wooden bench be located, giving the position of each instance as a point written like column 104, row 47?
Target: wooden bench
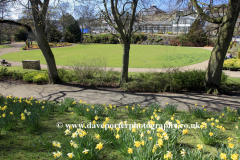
column 31, row 64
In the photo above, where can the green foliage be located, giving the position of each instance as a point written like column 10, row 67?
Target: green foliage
column 232, row 64
column 170, row 109
column 133, row 110
column 73, row 33
column 52, row 33
column 3, row 72
column 137, row 37
column 21, row 35
column 238, row 54
column 197, row 112
column 35, row 77
column 231, row 45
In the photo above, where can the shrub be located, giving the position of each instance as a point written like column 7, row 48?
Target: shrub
column 40, row 77
column 137, row 37
column 175, row 41
column 65, row 75
column 3, row 72
column 160, row 32
column 231, row 64
column 231, row 45
column 238, row 54
column 35, row 77
column 89, row 68
column 169, row 33
column 170, row 109
column 113, row 40
column 172, row 81
column 21, row 35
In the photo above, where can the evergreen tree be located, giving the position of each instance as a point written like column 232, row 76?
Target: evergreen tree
column 73, row 33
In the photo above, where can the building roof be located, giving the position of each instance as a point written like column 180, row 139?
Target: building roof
column 166, row 23
column 152, row 10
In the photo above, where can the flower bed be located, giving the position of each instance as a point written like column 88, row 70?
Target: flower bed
column 231, row 64
column 52, row 45
column 217, row 131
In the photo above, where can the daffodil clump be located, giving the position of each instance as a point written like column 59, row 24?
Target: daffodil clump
column 198, row 112
column 170, row 109
column 210, row 131
column 112, row 111
column 88, row 111
column 80, row 145
column 26, row 111
column 133, row 110
column 153, row 107
column 229, row 151
column 231, row 114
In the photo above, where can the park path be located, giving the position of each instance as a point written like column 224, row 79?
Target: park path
column 117, row 97
column 200, row 66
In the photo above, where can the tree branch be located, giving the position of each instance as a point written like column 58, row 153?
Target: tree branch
column 19, row 24
column 204, row 16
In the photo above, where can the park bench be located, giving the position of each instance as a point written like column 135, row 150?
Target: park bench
column 31, row 64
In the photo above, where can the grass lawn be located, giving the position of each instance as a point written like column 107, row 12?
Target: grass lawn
column 141, row 56
column 5, row 46
column 17, row 142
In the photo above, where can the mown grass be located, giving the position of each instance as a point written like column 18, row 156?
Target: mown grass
column 5, row 46
column 141, row 56
column 20, row 144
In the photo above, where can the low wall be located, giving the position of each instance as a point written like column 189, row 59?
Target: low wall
column 31, row 64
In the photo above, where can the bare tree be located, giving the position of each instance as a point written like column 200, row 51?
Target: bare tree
column 227, row 23
column 121, row 17
column 86, row 16
column 39, row 10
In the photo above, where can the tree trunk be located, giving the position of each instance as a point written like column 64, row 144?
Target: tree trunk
column 125, row 63
column 214, row 70
column 51, row 64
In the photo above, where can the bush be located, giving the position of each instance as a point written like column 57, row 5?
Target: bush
column 172, row 81
column 41, row 77
column 160, row 32
column 231, row 64
column 238, row 54
column 175, row 41
column 169, row 33
column 35, row 77
column 113, row 40
column 3, row 72
column 21, row 35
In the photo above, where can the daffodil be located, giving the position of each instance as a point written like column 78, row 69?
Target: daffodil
column 185, row 131
column 231, row 145
column 70, row 155
column 210, row 134
column 130, row 150
column 67, row 132
column 97, row 136
column 234, row 156
column 199, row 147
column 99, row 146
column 137, row 144
column 85, row 151
column 230, row 139
column 223, row 156
column 183, row 152
column 168, row 155
column 117, row 136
